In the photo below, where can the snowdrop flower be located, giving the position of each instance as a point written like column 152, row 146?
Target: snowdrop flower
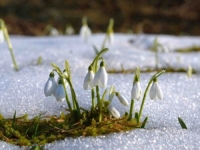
column 85, row 31
column 155, row 91
column 60, row 92
column 136, row 91
column 122, row 99
column 113, row 111
column 53, row 32
column 101, row 77
column 110, row 32
column 88, row 81
column 1, row 36
column 50, row 85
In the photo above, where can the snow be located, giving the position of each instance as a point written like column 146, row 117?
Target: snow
column 23, row 90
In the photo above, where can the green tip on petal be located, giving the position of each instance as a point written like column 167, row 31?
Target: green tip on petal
column 155, row 80
column 60, row 81
column 102, row 64
column 51, row 74
column 90, row 68
column 117, row 93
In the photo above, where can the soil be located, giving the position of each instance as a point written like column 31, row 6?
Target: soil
column 30, row 17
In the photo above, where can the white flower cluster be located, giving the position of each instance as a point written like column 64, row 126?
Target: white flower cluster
column 55, row 88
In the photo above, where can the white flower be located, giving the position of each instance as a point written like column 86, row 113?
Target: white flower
column 122, row 99
column 113, row 111
column 101, row 77
column 136, row 91
column 88, row 81
column 60, row 92
column 53, row 32
column 1, row 36
column 155, row 91
column 50, row 85
column 85, row 32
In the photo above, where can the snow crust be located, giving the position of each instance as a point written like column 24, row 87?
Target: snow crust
column 23, row 90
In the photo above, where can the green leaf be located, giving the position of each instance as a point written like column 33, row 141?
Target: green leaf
column 39, row 60
column 137, row 117
column 95, row 50
column 14, row 120
column 56, row 68
column 104, row 94
column 97, row 57
column 144, row 122
column 182, row 123
column 67, row 67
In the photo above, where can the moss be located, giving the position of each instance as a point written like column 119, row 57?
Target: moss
column 45, row 129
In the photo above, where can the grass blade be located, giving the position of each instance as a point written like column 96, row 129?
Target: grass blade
column 182, row 123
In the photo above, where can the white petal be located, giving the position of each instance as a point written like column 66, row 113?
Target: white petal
column 96, row 78
column 139, row 91
column 113, row 111
column 91, row 78
column 123, row 100
column 152, row 92
column 103, row 77
column 158, row 91
column 85, row 32
column 136, row 91
column 50, row 86
column 86, row 80
column 60, row 93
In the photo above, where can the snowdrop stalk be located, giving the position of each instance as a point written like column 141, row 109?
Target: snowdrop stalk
column 68, row 78
column 3, row 27
column 146, row 91
column 109, row 34
column 136, row 79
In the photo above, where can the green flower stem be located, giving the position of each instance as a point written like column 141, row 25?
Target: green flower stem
column 9, row 43
column 74, row 98
column 131, row 110
column 146, row 90
column 93, row 103
column 66, row 96
column 99, row 103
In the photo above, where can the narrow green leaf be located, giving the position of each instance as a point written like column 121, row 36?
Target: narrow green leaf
column 39, row 60
column 182, row 123
column 95, row 50
column 99, row 55
column 37, row 125
column 56, row 68
column 67, row 67
column 137, row 117
column 144, row 122
column 104, row 94
column 14, row 120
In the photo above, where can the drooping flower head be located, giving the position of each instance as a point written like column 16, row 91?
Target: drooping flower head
column 155, row 91
column 60, row 92
column 113, row 111
column 88, row 81
column 101, row 77
column 85, row 31
column 136, row 89
column 50, row 85
column 122, row 99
